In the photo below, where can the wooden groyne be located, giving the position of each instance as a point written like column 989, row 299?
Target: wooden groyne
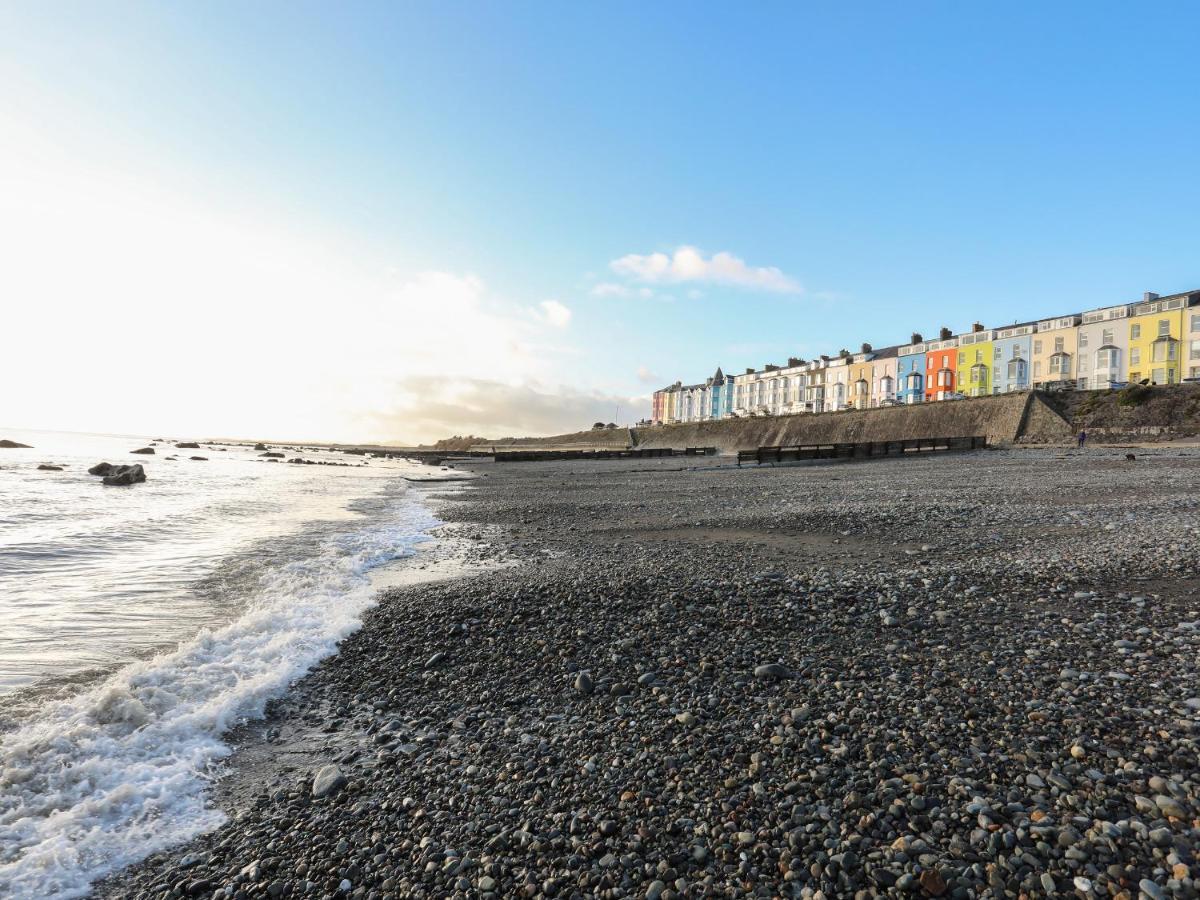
column 861, row 450
column 534, row 455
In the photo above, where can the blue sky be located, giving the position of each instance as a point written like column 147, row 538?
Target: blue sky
column 906, row 165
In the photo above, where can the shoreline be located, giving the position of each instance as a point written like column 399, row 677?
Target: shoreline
column 952, row 677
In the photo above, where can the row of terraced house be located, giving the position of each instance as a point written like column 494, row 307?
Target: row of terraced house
column 1156, row 341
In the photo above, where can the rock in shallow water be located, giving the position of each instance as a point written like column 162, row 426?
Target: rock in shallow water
column 124, row 475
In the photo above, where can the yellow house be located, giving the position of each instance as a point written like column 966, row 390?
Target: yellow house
column 1158, row 350
column 862, row 372
column 1055, row 346
column 975, row 350
column 670, row 403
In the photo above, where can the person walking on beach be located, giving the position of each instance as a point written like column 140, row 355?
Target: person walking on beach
column 1082, row 437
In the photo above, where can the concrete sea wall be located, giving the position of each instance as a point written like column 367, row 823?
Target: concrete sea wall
column 1002, row 419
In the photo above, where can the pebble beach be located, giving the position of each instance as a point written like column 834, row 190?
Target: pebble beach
column 966, row 676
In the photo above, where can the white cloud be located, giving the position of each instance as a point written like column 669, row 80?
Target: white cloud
column 555, row 313
column 608, row 289
column 646, row 376
column 687, row 264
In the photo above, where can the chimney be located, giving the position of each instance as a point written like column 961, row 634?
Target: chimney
column 945, row 334
column 977, row 327
column 749, row 370
column 1148, row 296
column 866, row 348
column 793, row 362
column 916, row 337
column 770, row 367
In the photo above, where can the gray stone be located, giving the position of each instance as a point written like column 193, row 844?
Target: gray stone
column 771, row 671
column 328, row 781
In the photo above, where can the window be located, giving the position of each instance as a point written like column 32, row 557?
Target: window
column 1164, row 327
column 1037, row 348
column 1165, row 351
column 1058, row 345
column 962, row 357
column 1195, row 352
column 1158, row 376
column 997, row 352
column 1016, row 351
column 1135, row 376
column 1083, row 386
column 1196, row 322
column 978, row 356
column 1135, row 332
column 931, row 363
column 1107, row 359
column 1135, row 356
column 1083, row 339
column 1037, row 368
column 1108, row 336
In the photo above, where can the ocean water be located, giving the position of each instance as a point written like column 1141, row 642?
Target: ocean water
column 138, row 624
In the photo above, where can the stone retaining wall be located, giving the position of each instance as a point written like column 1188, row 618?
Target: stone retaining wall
column 1002, row 419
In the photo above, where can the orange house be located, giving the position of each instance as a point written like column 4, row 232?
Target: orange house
column 941, row 363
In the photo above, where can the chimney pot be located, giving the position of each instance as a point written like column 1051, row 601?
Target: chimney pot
column 1149, row 295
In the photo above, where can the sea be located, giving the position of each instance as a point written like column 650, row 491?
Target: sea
column 139, row 624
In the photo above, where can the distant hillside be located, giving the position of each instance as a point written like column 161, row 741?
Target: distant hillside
column 593, row 437
column 458, row 442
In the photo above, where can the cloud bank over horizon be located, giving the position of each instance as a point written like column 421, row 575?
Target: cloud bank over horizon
column 491, row 409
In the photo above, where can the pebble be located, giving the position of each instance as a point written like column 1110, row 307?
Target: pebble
column 771, row 714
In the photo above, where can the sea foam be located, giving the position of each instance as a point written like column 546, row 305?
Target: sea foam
column 100, row 781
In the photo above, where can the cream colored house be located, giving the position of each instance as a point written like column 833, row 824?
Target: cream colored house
column 1055, row 347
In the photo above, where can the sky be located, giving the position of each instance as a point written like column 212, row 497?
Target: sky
column 403, row 221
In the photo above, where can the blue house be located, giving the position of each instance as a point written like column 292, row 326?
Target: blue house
column 1012, row 363
column 910, row 372
column 722, row 395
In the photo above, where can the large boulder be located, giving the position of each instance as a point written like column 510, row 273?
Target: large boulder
column 104, row 468
column 125, row 475
column 46, row 467
column 188, row 445
column 13, row 445
column 145, row 451
column 271, row 454
column 328, row 781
